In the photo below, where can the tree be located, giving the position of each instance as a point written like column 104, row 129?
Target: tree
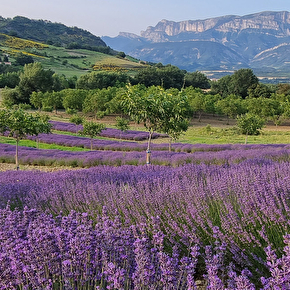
column 250, row 124
column 92, row 130
column 53, row 100
column 241, row 81
column 157, row 109
column 174, row 116
column 145, row 107
column 196, row 80
column 74, row 98
column 36, row 99
column 101, row 80
column 33, row 79
column 9, row 97
column 20, row 124
column 22, row 59
column 231, row 106
column 122, row 124
column 96, row 101
column 77, row 120
column 9, row 79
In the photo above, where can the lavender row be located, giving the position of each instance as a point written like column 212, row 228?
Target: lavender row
column 33, row 156
column 239, row 209
column 108, row 132
column 83, row 142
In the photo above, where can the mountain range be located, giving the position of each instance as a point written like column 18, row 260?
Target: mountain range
column 259, row 41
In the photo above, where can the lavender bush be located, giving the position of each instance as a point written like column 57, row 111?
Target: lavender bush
column 108, row 132
column 236, row 214
column 70, row 252
column 234, row 154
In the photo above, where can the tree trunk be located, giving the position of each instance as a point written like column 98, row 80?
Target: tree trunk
column 148, row 152
column 16, row 155
column 91, row 144
column 246, row 140
column 170, row 143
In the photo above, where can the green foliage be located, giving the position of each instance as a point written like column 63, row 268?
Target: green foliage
column 101, row 80
column 175, row 111
column 92, row 130
column 52, row 100
column 36, row 99
column 9, row 79
column 76, row 119
column 168, row 76
column 34, row 78
column 122, row 124
column 196, row 80
column 157, row 109
column 250, row 124
column 23, row 59
column 10, row 97
column 20, row 124
column 74, row 98
column 231, row 106
column 237, row 84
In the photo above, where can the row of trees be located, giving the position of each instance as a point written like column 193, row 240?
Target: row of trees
column 33, row 77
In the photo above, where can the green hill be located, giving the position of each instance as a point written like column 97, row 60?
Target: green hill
column 50, row 33
column 64, row 60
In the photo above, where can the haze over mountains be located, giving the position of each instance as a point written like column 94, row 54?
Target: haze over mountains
column 259, row 41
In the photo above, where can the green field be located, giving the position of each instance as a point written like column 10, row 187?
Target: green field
column 70, row 62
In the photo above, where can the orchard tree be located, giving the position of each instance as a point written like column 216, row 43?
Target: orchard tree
column 53, row 100
column 74, row 99
column 19, row 124
column 122, row 124
column 175, row 116
column 36, row 99
column 231, row 106
column 145, row 107
column 157, row 109
column 250, row 124
column 92, row 130
column 77, row 120
column 97, row 100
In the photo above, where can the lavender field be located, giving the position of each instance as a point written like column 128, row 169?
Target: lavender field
column 108, row 132
column 200, row 217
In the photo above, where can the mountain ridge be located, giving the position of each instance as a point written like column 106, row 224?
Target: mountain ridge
column 249, row 38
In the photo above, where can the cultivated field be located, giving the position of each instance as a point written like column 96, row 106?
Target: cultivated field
column 203, row 216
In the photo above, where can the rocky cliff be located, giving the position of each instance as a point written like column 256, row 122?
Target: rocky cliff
column 228, row 42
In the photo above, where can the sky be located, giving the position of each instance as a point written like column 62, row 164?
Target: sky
column 109, row 17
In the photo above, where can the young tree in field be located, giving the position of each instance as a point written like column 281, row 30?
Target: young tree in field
column 77, row 120
column 176, row 110
column 250, row 124
column 122, row 124
column 92, row 130
column 20, row 124
column 145, row 106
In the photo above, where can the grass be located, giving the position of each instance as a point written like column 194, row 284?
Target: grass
column 221, row 136
column 33, row 144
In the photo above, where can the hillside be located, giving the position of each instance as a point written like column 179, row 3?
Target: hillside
column 222, row 44
column 63, row 60
column 50, row 33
